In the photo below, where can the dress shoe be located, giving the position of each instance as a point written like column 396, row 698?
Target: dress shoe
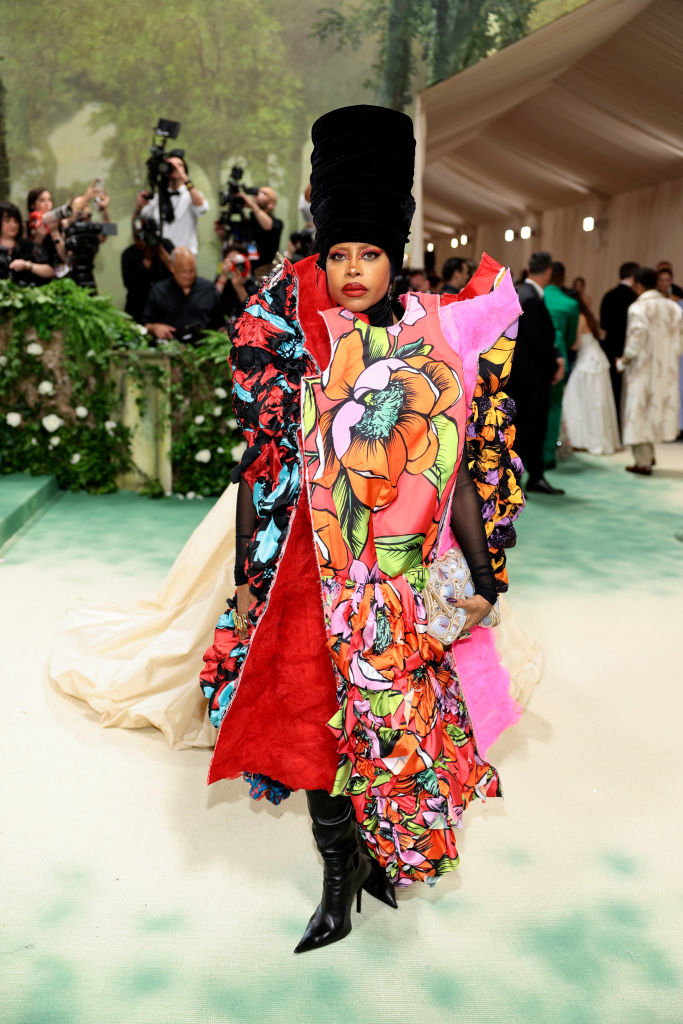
column 641, row 470
column 543, row 487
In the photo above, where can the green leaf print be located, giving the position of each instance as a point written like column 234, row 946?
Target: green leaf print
column 354, row 517
column 413, row 349
column 376, row 341
column 385, row 703
column 308, row 415
column 428, row 780
column 458, row 735
column 396, row 555
column 444, row 464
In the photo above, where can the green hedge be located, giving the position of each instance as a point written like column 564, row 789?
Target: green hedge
column 60, row 349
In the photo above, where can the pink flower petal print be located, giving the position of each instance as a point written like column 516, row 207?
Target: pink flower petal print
column 347, row 417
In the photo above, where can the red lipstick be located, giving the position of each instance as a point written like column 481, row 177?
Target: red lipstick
column 354, row 289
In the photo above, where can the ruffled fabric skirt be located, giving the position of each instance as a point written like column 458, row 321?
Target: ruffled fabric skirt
column 409, row 760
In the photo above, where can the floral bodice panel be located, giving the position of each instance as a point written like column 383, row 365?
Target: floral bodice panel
column 383, row 430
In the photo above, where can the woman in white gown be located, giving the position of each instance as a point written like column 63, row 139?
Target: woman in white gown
column 588, row 409
column 136, row 664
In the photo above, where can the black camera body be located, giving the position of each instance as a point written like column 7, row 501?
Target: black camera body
column 5, row 260
column 232, row 214
column 147, row 229
column 158, row 167
column 82, row 242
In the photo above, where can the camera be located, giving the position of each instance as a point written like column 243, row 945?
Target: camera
column 5, row 260
column 158, row 167
column 147, row 229
column 232, row 216
column 82, row 242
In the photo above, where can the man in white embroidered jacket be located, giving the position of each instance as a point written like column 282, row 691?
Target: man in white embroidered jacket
column 654, row 342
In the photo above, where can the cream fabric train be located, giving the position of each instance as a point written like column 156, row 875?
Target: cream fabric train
column 138, row 664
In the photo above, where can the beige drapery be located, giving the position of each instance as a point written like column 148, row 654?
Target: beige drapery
column 580, row 118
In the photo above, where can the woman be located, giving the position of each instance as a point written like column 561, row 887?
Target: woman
column 22, row 260
column 38, row 202
column 588, row 409
column 322, row 670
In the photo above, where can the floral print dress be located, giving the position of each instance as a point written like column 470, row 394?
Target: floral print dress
column 352, row 456
column 383, row 435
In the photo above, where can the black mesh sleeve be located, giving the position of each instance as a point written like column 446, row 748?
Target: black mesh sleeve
column 245, row 524
column 468, row 527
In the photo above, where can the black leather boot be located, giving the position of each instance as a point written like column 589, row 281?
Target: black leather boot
column 345, row 872
column 377, row 884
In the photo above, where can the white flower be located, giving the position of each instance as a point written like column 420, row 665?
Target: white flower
column 231, row 424
column 190, row 495
column 199, row 420
column 220, row 450
column 220, row 392
column 54, row 441
column 75, row 459
column 33, row 441
column 90, row 353
column 52, row 422
column 238, row 451
column 81, row 412
column 203, row 456
column 3, row 360
column 110, row 426
column 46, row 387
column 34, row 349
column 13, row 419
column 218, row 410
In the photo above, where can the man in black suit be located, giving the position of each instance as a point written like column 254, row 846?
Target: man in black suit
column 613, row 316
column 536, row 366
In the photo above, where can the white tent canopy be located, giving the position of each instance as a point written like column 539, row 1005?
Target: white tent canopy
column 581, row 111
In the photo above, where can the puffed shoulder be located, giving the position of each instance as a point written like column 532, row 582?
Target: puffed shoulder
column 476, row 324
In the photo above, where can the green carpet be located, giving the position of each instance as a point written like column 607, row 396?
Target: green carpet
column 133, row 894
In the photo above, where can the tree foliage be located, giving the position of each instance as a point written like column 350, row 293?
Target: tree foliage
column 444, row 36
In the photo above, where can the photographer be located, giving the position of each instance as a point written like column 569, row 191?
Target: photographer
column 82, row 238
column 39, row 201
column 143, row 263
column 187, row 203
column 235, row 283
column 21, row 260
column 261, row 227
column 183, row 306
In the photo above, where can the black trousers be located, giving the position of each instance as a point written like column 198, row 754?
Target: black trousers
column 531, row 423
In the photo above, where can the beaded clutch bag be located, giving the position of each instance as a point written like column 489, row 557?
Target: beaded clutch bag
column 450, row 577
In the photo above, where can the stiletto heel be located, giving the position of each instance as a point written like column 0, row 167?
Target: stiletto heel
column 378, row 885
column 358, row 899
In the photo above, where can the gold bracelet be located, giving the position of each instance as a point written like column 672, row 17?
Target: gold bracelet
column 240, row 621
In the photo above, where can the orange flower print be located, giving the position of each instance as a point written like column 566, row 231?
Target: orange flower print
column 382, row 424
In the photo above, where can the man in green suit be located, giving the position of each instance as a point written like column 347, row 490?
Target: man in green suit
column 564, row 313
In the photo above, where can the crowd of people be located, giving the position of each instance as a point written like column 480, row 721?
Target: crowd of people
column 581, row 379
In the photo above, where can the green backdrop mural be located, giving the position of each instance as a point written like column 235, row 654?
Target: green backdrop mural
column 86, row 82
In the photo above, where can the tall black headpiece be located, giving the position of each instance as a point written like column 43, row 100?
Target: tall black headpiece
column 361, row 179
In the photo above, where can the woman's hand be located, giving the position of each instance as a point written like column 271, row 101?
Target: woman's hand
column 244, row 601
column 476, row 607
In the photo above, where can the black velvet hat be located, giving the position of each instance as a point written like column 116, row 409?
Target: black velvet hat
column 361, row 179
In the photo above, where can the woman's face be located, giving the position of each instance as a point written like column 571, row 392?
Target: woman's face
column 358, row 275
column 43, row 202
column 10, row 227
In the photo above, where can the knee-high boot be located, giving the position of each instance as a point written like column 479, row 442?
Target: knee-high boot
column 344, row 870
